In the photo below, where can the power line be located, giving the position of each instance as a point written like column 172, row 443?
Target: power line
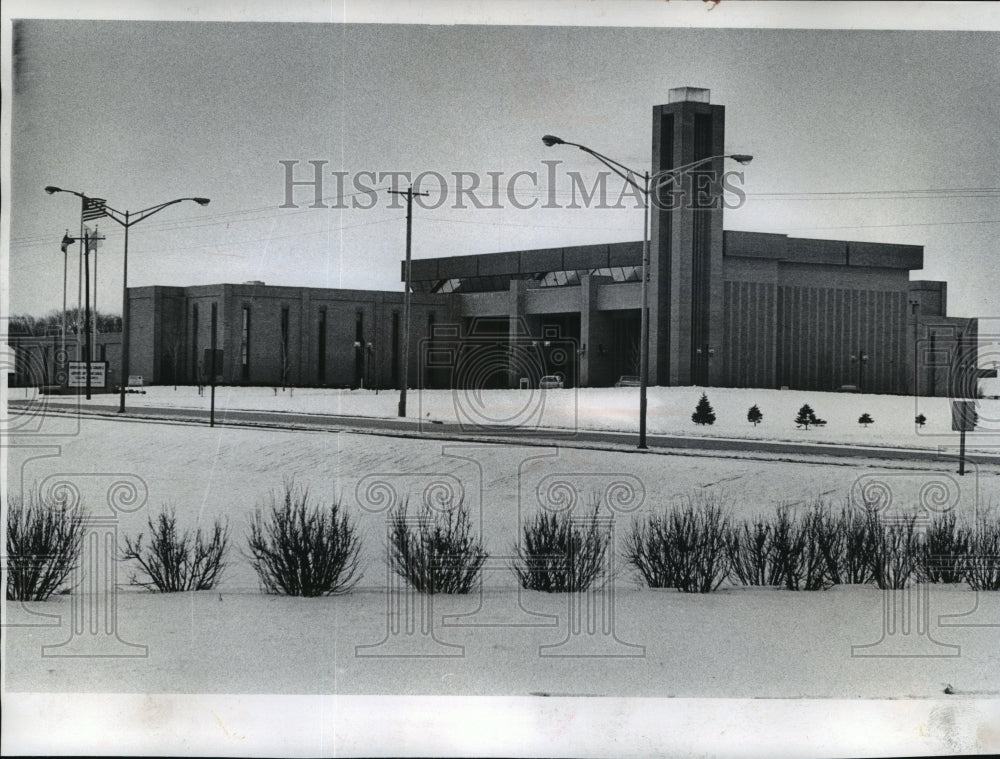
column 936, row 191
column 920, row 224
column 231, row 217
column 172, row 224
column 327, row 230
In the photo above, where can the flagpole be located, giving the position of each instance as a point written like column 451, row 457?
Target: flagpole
column 97, row 207
column 86, row 317
column 79, row 286
column 93, row 323
column 65, row 272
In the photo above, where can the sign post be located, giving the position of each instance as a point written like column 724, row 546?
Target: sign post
column 77, row 374
column 212, row 360
column 963, row 419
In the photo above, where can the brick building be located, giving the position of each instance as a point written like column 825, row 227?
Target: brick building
column 727, row 308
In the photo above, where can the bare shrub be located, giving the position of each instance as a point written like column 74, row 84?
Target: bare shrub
column 299, row 549
column 846, row 546
column 896, row 549
column 436, row 553
column 749, row 549
column 807, row 566
column 982, row 566
column 783, row 550
column 766, row 551
column 176, row 562
column 561, row 554
column 44, row 541
column 684, row 548
column 945, row 550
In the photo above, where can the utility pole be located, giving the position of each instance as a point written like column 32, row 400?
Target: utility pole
column 86, row 314
column 65, row 358
column 93, row 324
column 79, row 289
column 87, row 241
column 125, row 304
column 409, row 193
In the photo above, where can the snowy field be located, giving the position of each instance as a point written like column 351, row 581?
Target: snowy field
column 574, row 674
column 736, row 642
column 669, row 411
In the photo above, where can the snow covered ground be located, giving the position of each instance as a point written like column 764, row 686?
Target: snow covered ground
column 669, row 411
column 736, row 643
column 226, row 473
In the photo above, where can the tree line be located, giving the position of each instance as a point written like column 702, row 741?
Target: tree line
column 51, row 323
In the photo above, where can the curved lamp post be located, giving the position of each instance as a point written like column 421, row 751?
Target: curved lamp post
column 88, row 351
column 628, row 175
column 126, row 220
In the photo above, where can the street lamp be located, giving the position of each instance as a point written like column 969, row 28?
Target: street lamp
column 126, row 220
column 627, row 174
column 87, row 241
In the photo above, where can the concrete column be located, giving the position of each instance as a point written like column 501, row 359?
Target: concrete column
column 686, row 308
column 516, row 320
column 595, row 334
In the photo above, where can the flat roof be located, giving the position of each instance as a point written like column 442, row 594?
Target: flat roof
column 520, row 264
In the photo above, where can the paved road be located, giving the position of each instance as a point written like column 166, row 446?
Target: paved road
column 496, row 433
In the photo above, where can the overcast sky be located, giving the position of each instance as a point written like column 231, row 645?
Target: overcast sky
column 859, row 135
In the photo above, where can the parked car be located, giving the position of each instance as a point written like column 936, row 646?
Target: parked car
column 550, row 381
column 628, row 380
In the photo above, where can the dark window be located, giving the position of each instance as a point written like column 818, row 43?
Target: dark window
column 244, row 343
column 284, row 344
column 395, row 349
column 212, row 344
column 359, row 348
column 321, row 353
column 431, row 320
column 195, row 358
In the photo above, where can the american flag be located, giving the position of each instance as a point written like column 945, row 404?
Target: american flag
column 92, row 238
column 93, row 208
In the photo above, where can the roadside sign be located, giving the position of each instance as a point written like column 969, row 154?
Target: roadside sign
column 76, row 375
column 135, row 380
column 963, row 416
column 206, row 364
column 963, row 419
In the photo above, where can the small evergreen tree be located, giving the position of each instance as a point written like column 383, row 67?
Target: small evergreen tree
column 920, row 420
column 703, row 413
column 806, row 416
column 866, row 419
column 754, row 415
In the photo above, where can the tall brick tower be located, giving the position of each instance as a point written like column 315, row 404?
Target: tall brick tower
column 685, row 280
